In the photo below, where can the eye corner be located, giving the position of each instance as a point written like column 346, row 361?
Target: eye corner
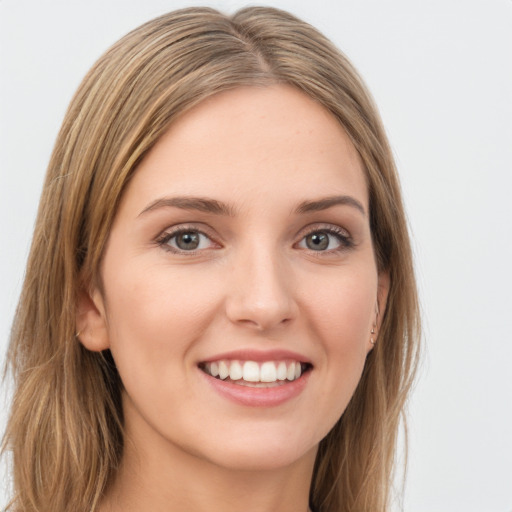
column 325, row 239
column 188, row 240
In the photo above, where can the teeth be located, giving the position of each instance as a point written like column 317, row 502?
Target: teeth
column 268, row 372
column 290, row 374
column 251, row 371
column 223, row 370
column 235, row 371
column 297, row 370
column 281, row 371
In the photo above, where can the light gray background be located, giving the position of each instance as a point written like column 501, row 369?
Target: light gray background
column 441, row 73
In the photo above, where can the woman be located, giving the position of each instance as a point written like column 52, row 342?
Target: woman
column 219, row 308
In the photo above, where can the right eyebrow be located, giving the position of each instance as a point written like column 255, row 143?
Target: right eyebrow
column 201, row 204
column 329, row 202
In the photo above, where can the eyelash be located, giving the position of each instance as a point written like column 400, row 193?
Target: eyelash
column 164, row 239
column 345, row 240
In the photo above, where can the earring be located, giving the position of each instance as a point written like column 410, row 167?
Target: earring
column 78, row 334
column 372, row 341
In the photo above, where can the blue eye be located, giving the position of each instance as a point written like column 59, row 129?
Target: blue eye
column 186, row 241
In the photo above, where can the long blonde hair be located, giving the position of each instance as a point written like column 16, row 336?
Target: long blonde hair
column 65, row 431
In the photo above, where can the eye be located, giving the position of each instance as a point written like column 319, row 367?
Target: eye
column 325, row 240
column 186, row 240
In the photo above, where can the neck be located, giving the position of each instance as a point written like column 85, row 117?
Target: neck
column 161, row 477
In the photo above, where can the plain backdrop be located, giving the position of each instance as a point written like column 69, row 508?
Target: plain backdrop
column 441, row 73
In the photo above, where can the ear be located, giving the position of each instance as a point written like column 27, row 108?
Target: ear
column 91, row 321
column 382, row 297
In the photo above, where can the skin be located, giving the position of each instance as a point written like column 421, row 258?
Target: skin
column 254, row 283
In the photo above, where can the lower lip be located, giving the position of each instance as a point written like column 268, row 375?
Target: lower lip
column 258, row 397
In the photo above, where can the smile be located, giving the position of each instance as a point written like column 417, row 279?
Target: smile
column 255, row 374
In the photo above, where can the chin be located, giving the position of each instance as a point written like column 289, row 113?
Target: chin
column 247, row 450
column 254, row 459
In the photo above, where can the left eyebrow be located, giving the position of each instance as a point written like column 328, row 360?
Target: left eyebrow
column 202, row 204
column 329, row 202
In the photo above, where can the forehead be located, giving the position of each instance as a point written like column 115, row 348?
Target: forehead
column 253, row 145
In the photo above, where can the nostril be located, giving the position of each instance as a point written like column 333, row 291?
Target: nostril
column 263, row 324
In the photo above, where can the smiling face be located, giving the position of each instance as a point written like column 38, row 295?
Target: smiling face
column 239, row 284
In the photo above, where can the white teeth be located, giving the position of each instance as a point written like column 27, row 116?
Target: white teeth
column 251, row 371
column 281, row 371
column 223, row 370
column 268, row 372
column 290, row 374
column 235, row 371
column 297, row 370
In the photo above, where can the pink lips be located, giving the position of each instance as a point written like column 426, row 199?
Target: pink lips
column 258, row 356
column 275, row 394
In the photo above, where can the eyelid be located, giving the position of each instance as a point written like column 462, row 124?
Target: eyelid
column 343, row 235
column 167, row 234
column 324, row 226
column 345, row 238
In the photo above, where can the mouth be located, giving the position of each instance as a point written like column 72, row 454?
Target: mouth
column 264, row 374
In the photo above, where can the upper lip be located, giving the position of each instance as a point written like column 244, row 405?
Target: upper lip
column 259, row 356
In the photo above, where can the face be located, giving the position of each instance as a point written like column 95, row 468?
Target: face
column 239, row 284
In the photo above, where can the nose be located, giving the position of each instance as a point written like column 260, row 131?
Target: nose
column 260, row 294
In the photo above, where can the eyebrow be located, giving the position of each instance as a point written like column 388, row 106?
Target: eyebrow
column 328, row 202
column 202, row 204
column 207, row 205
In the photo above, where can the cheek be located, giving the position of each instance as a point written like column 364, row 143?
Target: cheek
column 155, row 315
column 343, row 317
column 344, row 308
